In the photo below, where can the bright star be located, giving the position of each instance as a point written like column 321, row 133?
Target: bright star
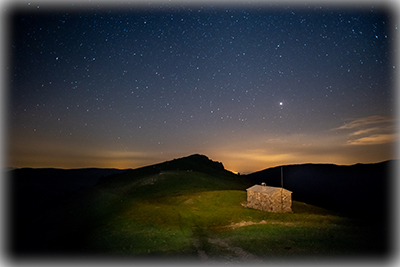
column 280, row 103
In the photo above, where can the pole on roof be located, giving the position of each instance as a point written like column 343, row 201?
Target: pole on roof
column 281, row 188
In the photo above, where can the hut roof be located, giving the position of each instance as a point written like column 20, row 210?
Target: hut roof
column 266, row 189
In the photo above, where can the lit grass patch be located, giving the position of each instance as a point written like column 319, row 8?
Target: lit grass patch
column 179, row 213
column 168, row 225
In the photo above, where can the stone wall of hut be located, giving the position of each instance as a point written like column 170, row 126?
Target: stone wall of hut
column 276, row 202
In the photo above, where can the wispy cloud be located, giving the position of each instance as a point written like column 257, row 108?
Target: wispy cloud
column 372, row 130
column 365, row 131
column 363, row 122
column 376, row 139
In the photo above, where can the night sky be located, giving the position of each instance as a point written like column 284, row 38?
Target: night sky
column 250, row 85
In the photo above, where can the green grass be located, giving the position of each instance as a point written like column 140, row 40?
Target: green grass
column 179, row 213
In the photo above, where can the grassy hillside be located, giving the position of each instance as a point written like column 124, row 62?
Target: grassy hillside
column 187, row 214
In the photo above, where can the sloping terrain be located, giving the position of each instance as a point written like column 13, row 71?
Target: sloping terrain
column 190, row 209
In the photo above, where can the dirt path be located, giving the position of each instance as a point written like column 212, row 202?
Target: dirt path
column 245, row 223
column 241, row 254
column 230, row 252
column 201, row 253
column 235, row 253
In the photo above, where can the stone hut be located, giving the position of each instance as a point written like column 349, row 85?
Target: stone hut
column 268, row 198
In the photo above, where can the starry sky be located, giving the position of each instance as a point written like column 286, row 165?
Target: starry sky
column 251, row 85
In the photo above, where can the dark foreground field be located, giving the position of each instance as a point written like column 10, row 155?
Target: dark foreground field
column 186, row 209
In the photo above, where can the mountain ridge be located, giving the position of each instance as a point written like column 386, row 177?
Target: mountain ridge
column 325, row 164
column 184, row 158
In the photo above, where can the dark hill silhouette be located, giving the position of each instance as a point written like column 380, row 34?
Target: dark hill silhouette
column 196, row 162
column 361, row 189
